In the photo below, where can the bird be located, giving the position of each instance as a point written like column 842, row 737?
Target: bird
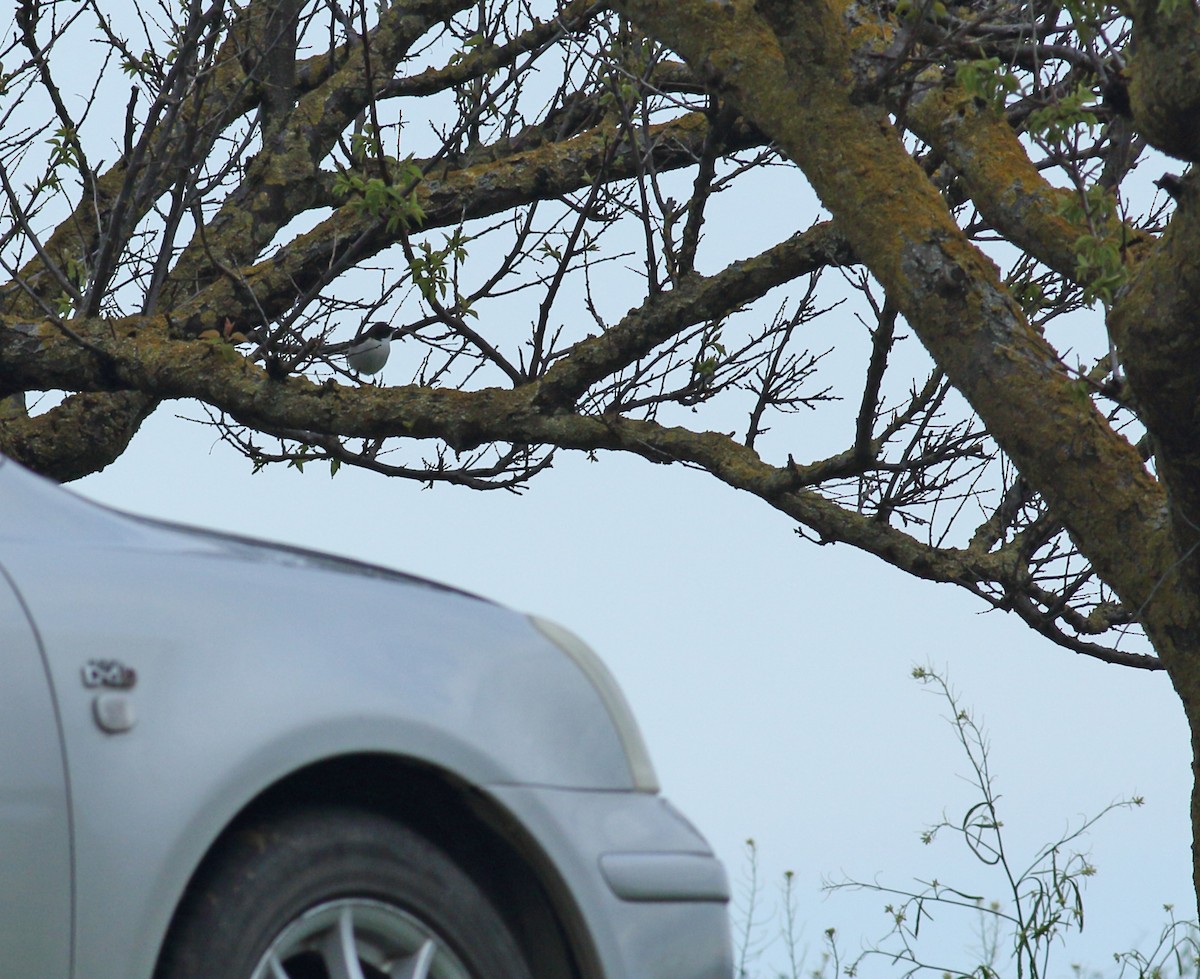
column 369, row 351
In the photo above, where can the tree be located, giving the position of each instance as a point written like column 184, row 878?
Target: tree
column 209, row 200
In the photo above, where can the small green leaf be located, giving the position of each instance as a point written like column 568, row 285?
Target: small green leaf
column 984, row 79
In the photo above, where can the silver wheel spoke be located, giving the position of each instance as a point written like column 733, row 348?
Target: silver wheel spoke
column 340, row 950
column 353, row 936
column 417, row 965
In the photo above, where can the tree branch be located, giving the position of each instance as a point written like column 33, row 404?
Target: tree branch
column 788, row 70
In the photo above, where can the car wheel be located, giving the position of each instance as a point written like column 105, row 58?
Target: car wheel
column 336, row 894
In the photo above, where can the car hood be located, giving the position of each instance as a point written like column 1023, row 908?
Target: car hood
column 36, row 507
column 328, row 654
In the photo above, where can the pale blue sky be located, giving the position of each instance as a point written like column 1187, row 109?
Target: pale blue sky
column 771, row 676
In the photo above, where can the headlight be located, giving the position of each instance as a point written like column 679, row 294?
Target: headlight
column 640, row 767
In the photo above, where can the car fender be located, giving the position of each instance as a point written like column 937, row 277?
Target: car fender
column 219, row 706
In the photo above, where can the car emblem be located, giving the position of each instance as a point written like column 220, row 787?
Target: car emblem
column 109, row 673
column 112, row 709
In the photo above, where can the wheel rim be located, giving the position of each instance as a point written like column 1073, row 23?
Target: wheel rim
column 356, row 938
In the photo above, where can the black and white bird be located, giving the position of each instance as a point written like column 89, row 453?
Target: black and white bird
column 369, row 350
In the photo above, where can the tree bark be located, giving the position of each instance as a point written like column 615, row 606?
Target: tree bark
column 788, row 67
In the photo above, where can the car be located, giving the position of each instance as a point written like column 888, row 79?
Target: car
column 235, row 760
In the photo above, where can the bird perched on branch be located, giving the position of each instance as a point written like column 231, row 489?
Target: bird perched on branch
column 368, row 352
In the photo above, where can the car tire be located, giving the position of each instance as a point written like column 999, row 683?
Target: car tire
column 336, row 893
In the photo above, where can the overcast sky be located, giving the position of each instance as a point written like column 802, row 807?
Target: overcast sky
column 771, row 676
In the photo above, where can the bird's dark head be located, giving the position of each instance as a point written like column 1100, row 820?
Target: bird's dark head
column 377, row 331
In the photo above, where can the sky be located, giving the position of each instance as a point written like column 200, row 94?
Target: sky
column 771, row 678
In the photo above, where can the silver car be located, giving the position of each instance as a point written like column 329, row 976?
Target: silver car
column 230, row 760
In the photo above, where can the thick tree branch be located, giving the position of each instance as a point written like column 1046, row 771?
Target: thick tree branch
column 81, row 436
column 489, row 57
column 280, row 182
column 447, row 197
column 997, row 174
column 137, row 354
column 787, row 69
column 1163, row 93
column 819, row 82
column 696, row 299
